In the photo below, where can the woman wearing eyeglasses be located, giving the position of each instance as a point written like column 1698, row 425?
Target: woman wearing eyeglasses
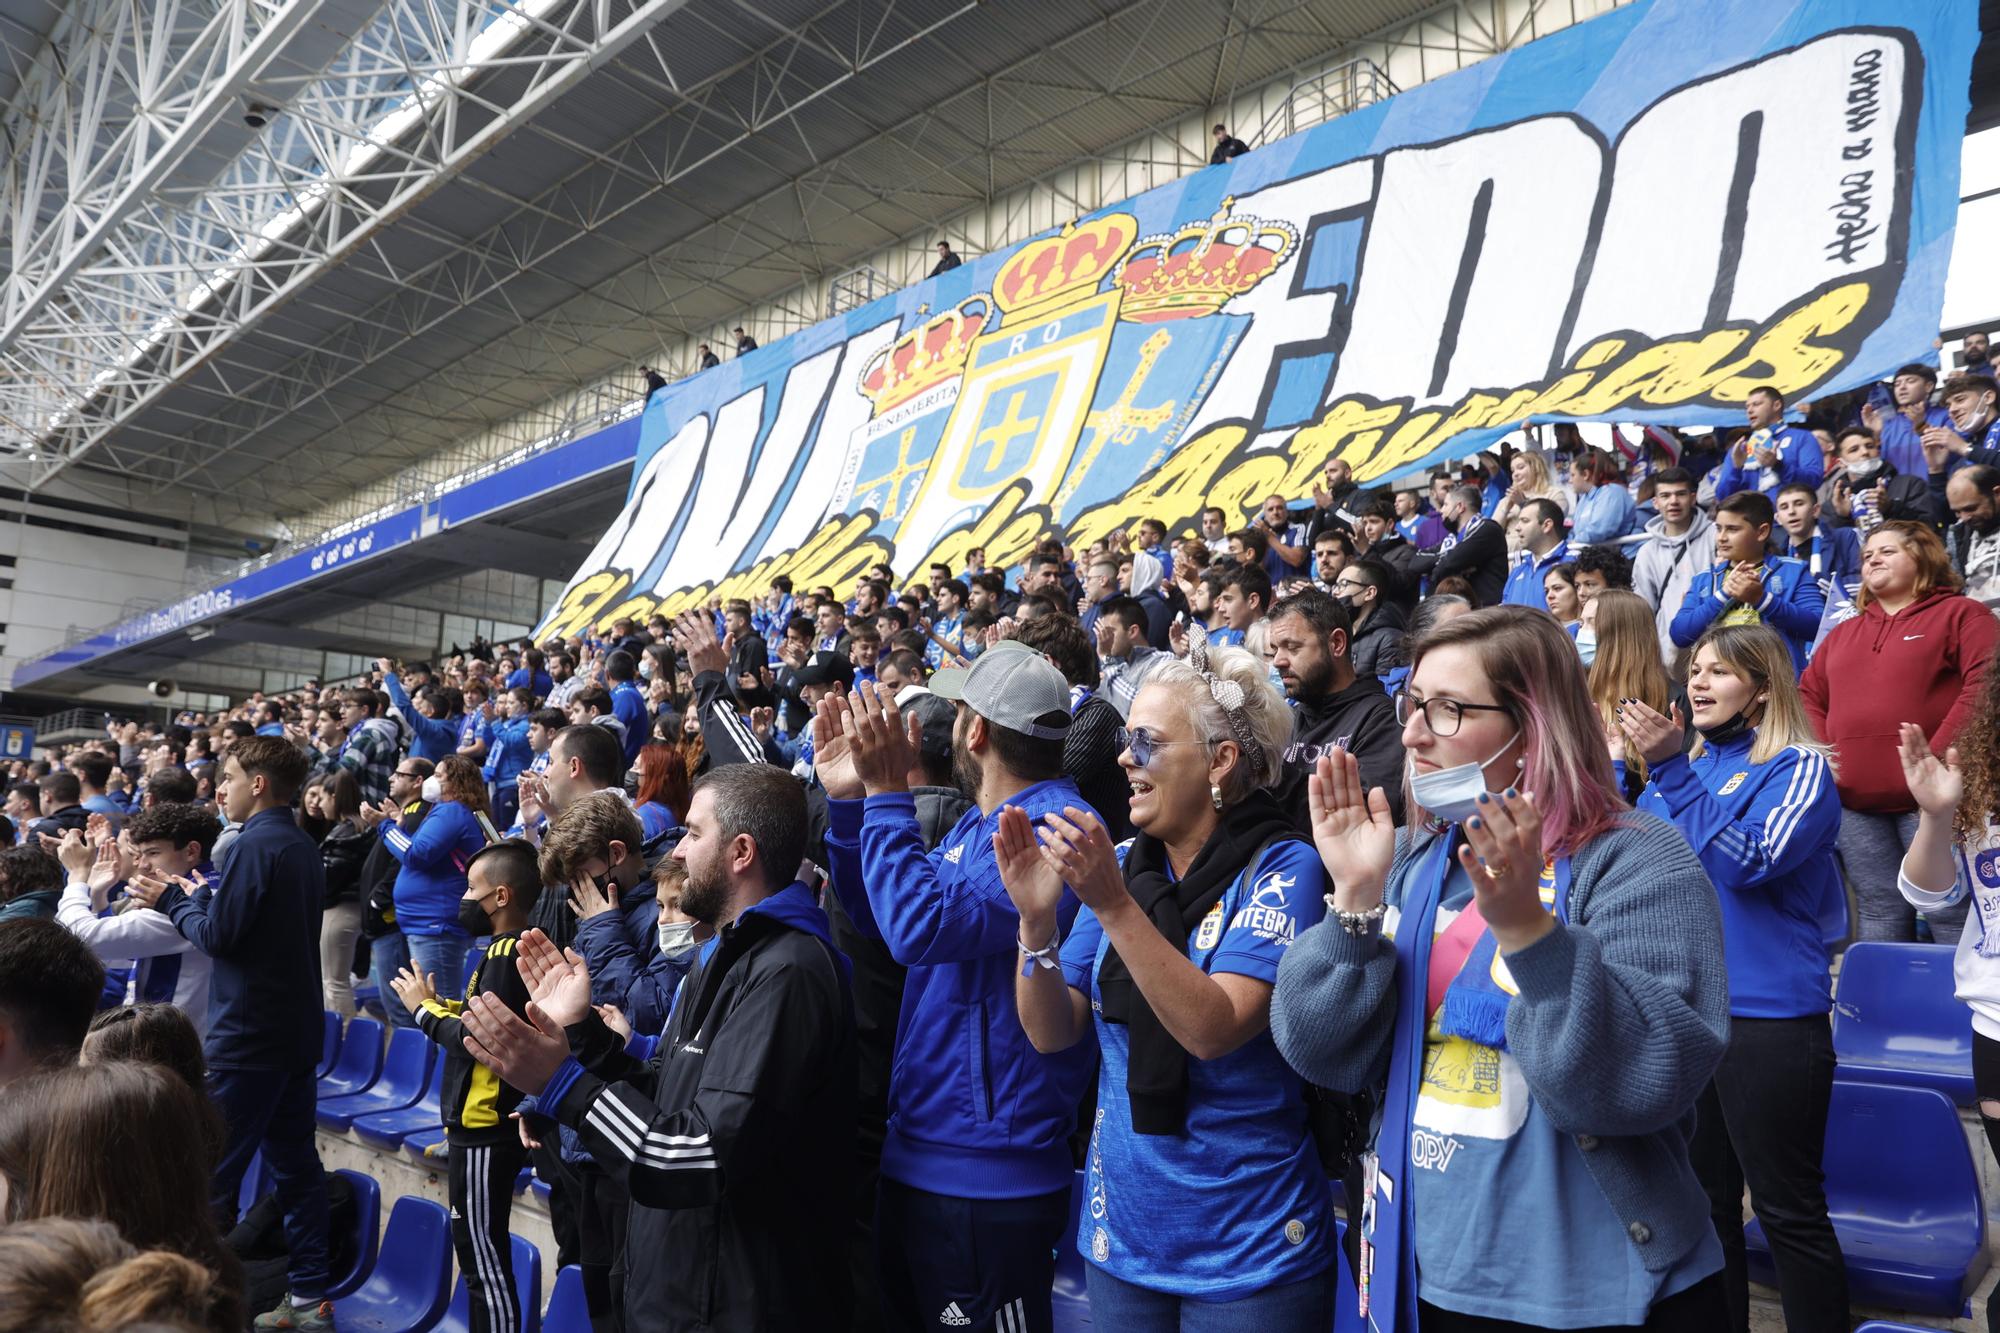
column 1205, row 1191
column 1537, row 974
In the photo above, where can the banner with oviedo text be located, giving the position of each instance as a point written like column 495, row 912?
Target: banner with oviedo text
column 1639, row 218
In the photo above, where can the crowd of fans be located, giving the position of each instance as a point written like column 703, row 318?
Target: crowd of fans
column 1473, row 850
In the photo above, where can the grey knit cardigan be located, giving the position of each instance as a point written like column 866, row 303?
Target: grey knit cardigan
column 1621, row 1019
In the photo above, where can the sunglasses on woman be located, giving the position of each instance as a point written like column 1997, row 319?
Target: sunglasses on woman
column 1144, row 744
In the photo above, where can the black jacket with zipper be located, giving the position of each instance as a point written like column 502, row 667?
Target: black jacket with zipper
column 737, row 1139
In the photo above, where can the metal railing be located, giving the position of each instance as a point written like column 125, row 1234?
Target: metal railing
column 1318, row 98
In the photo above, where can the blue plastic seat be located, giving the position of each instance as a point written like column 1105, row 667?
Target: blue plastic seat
column 411, row 1282
column 329, row 1043
column 1071, row 1302
column 540, row 1189
column 415, row 1144
column 359, row 1062
column 1896, row 1020
column 527, row 1292
column 406, row 1072
column 388, row 1130
column 368, row 1230
column 1884, row 1326
column 1904, row 1198
column 368, row 999
column 567, row 1312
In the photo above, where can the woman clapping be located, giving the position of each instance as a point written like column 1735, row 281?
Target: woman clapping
column 1537, row 973
column 1206, row 1193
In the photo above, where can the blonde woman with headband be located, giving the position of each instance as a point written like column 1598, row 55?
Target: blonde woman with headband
column 1205, row 1190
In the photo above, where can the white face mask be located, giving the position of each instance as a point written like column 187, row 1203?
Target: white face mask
column 1452, row 794
column 433, row 790
column 1586, row 644
column 676, row 937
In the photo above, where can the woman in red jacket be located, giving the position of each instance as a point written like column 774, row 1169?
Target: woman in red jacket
column 1917, row 653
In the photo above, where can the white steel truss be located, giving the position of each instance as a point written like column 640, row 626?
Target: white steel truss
column 148, row 226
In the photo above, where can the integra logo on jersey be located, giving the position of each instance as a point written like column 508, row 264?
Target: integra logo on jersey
column 1267, row 914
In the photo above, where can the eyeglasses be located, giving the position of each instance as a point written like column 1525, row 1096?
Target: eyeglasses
column 1442, row 716
column 1144, row 744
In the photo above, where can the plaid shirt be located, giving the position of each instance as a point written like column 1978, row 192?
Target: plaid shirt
column 371, row 754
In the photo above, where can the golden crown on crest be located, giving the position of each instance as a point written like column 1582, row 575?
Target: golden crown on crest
column 1202, row 266
column 926, row 356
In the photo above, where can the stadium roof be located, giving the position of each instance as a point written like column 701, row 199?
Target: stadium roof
column 457, row 211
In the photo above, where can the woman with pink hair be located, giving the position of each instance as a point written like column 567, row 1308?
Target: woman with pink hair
column 1530, row 977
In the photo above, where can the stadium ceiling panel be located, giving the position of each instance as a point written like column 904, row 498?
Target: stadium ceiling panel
column 454, row 210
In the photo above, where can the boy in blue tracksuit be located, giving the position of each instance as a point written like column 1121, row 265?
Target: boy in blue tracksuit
column 259, row 925
column 975, row 1169
column 1757, row 803
column 1748, row 585
column 1772, row 455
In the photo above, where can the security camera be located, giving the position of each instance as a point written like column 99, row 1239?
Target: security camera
column 256, row 115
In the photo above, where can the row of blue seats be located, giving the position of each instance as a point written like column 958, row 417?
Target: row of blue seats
column 1901, row 1183
column 403, row 1284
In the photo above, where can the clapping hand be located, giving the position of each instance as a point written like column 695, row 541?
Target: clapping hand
column 1079, row 850
column 106, row 870
column 1033, row 884
column 614, row 1019
column 883, row 742
column 1936, row 785
column 557, row 979
column 1503, row 855
column 413, row 988
column 525, row 1055
column 1352, row 830
column 1655, row 737
column 694, row 635
column 833, row 754
column 75, row 853
column 147, row 890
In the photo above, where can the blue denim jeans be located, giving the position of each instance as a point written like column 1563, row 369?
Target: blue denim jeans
column 1305, row 1306
column 387, row 956
column 443, row 957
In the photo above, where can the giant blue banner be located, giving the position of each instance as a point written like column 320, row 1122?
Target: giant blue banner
column 1640, row 218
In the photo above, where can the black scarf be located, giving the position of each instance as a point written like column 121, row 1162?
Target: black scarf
column 1156, row 1079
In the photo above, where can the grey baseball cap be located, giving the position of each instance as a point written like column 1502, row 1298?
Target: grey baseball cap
column 1010, row 685
column 937, row 717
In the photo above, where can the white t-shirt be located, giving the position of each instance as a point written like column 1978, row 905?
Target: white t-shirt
column 1976, row 965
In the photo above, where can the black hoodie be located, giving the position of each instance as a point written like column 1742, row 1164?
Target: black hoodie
column 1377, row 647
column 1359, row 719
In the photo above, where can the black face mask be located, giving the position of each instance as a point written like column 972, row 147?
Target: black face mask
column 473, row 918
column 1727, row 732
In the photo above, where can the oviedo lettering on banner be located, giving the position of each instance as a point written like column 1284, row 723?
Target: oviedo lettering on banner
column 1729, row 196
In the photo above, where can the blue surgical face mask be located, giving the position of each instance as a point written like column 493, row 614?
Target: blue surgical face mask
column 1586, row 644
column 1452, row 794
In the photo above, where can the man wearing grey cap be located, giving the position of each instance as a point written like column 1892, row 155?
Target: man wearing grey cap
column 975, row 1164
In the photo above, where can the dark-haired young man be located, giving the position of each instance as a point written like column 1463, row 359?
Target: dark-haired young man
column 49, row 984
column 61, row 804
column 260, row 926
column 502, row 883
column 168, row 842
column 93, row 775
